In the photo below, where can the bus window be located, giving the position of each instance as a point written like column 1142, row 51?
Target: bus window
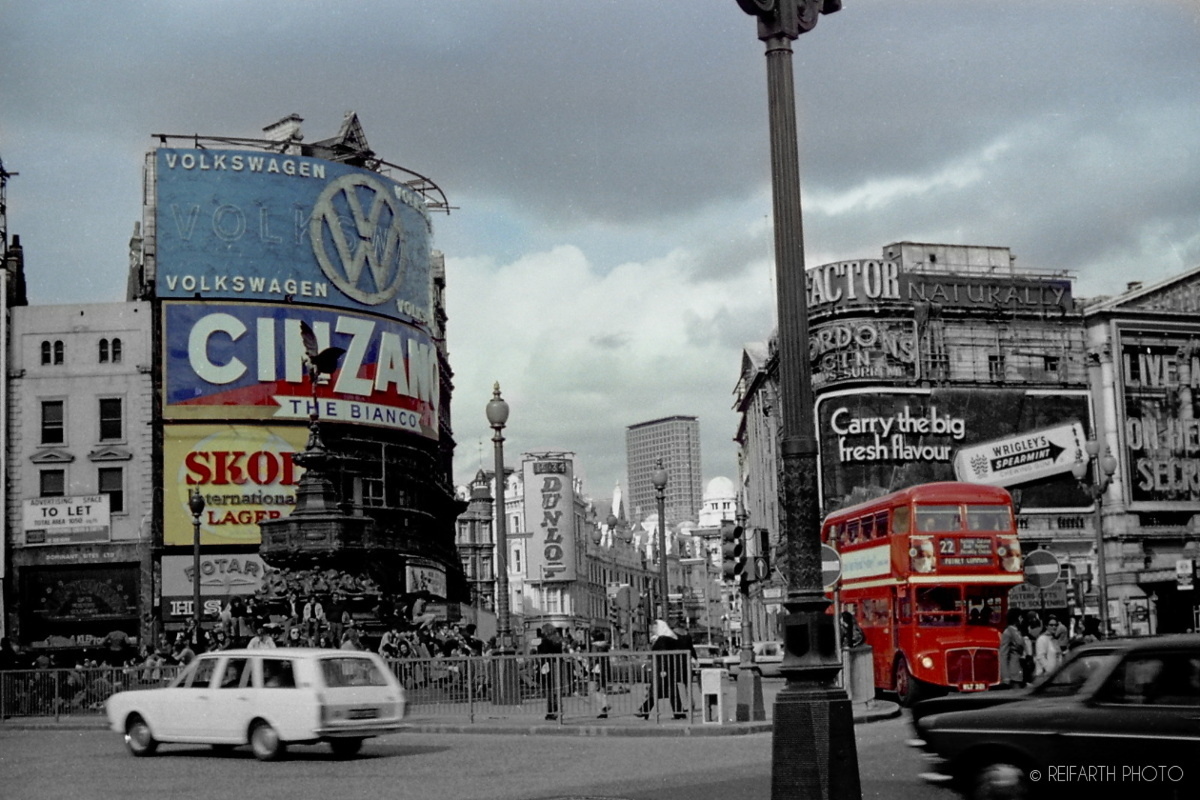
column 834, row 535
column 985, row 605
column 939, row 606
column 852, row 532
column 881, row 524
column 900, row 520
column 938, row 518
column 867, row 528
column 988, row 518
column 875, row 613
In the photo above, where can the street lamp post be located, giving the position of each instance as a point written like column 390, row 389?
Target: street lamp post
column 497, row 415
column 196, row 506
column 505, row 689
column 660, row 488
column 813, row 751
column 1102, row 474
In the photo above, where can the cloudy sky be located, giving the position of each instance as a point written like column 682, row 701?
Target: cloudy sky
column 610, row 249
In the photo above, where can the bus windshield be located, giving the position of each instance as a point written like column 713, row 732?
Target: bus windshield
column 946, row 606
column 937, row 518
column 988, row 518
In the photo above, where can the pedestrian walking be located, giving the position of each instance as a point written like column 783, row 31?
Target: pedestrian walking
column 551, row 646
column 1062, row 636
column 1012, row 651
column 667, row 669
column 601, row 674
column 1046, row 655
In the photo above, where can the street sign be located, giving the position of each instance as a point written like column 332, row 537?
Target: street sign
column 1027, row 597
column 1185, row 570
column 831, row 567
column 1041, row 569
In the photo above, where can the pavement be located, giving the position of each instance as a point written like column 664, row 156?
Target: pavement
column 624, row 725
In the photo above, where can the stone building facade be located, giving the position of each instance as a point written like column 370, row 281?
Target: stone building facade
column 932, row 350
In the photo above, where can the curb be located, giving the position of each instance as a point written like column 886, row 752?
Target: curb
column 876, row 712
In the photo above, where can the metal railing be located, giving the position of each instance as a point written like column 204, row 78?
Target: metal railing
column 568, row 687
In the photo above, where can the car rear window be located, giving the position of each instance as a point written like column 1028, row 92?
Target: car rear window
column 351, row 671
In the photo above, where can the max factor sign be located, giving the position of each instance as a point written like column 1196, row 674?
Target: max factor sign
column 846, row 283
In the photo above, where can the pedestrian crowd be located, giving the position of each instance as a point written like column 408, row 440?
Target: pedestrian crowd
column 1031, row 647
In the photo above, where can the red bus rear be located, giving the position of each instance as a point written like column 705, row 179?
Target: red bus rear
column 926, row 573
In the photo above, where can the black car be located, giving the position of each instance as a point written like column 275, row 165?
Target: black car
column 1067, row 678
column 1116, row 717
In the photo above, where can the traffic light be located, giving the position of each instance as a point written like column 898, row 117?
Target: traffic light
column 614, row 614
column 733, row 551
column 762, row 561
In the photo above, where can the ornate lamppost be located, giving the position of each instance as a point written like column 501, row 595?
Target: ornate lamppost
column 506, row 691
column 196, row 506
column 814, row 753
column 497, row 415
column 1102, row 473
column 660, row 488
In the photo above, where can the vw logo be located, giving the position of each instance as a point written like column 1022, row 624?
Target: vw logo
column 356, row 223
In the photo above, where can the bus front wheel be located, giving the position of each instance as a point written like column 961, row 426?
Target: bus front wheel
column 908, row 687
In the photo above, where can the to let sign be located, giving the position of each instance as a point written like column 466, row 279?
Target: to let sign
column 81, row 519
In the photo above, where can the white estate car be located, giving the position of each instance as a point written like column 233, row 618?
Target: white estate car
column 268, row 698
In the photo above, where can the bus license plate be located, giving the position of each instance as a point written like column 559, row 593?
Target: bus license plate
column 972, row 687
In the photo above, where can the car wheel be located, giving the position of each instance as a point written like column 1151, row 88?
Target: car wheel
column 1001, row 781
column 345, row 748
column 266, row 743
column 908, row 687
column 138, row 738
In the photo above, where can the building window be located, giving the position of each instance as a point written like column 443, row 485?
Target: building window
column 58, row 352
column 372, row 491
column 53, row 431
column 52, row 483
column 110, row 351
column 111, row 481
column 111, row 428
column 996, row 368
column 45, row 353
column 515, row 565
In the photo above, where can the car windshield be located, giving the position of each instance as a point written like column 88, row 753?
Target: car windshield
column 1074, row 673
column 196, row 675
column 349, row 671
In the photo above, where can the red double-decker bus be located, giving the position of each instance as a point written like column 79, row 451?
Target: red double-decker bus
column 926, row 573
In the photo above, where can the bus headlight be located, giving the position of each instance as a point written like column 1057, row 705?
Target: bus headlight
column 926, row 662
